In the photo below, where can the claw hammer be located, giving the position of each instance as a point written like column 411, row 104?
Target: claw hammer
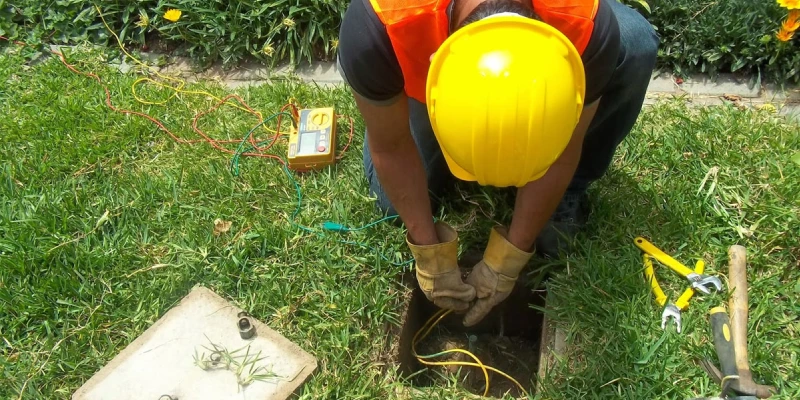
column 736, row 364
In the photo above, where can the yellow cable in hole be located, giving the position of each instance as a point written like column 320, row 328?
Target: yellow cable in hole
column 423, row 332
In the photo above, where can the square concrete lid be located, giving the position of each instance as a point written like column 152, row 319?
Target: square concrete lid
column 161, row 361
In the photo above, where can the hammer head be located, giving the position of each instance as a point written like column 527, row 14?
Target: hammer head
column 742, row 398
column 741, row 385
column 726, row 398
column 746, row 386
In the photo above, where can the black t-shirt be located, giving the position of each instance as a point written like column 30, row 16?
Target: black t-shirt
column 368, row 64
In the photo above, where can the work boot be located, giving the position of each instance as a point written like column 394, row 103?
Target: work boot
column 569, row 218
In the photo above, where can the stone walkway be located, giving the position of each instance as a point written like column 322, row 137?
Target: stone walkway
column 697, row 89
column 701, row 90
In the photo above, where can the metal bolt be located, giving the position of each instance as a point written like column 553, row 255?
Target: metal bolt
column 473, row 341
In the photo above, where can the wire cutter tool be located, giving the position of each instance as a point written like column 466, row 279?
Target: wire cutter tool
column 699, row 282
column 673, row 309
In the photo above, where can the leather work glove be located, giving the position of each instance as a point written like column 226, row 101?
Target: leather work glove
column 437, row 271
column 495, row 275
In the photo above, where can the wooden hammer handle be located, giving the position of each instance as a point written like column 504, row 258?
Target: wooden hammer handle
column 738, row 305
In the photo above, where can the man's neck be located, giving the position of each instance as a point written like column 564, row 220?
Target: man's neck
column 461, row 9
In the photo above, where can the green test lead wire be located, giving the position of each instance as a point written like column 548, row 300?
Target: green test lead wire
column 241, row 150
column 328, row 225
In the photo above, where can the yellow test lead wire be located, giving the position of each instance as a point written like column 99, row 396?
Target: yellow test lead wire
column 423, row 332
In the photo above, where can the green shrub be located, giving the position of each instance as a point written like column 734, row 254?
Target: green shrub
column 274, row 30
column 62, row 21
column 208, row 31
column 724, row 36
column 709, row 36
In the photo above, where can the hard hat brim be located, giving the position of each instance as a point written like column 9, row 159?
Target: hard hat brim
column 456, row 169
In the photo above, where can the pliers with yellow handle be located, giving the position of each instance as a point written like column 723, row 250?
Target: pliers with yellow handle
column 671, row 310
column 698, row 280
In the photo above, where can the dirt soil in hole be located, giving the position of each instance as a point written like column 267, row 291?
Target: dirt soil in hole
column 516, row 356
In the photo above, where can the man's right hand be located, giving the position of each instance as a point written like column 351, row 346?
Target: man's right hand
column 437, row 270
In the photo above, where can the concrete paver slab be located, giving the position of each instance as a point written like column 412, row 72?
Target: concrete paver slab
column 161, row 361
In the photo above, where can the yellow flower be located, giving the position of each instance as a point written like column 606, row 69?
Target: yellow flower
column 290, row 22
column 767, row 107
column 792, row 22
column 144, row 20
column 784, row 35
column 172, row 15
column 790, row 4
column 268, row 50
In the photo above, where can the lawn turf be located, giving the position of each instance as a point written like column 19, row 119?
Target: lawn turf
column 106, row 222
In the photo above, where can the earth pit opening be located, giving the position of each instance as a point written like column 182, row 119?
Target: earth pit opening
column 509, row 339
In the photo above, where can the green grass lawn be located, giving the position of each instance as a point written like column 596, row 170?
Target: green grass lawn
column 106, row 222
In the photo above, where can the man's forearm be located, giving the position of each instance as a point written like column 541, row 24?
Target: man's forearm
column 536, row 201
column 399, row 167
column 402, row 177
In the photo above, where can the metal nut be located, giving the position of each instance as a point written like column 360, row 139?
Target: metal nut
column 246, row 328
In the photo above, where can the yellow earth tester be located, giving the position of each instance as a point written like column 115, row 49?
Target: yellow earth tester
column 313, row 145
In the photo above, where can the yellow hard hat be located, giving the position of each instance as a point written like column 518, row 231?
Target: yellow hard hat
column 504, row 95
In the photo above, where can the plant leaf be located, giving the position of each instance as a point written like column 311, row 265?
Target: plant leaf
column 221, row 226
column 796, row 158
column 102, row 220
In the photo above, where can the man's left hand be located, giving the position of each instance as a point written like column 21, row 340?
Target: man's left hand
column 495, row 275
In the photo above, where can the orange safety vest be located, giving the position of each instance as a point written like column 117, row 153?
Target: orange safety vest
column 417, row 28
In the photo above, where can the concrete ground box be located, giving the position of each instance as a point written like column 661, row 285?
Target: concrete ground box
column 161, row 361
